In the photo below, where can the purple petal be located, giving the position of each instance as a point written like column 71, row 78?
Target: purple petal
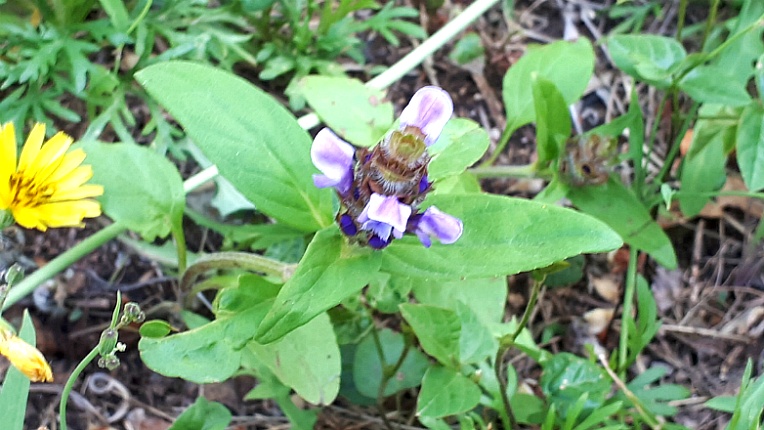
column 440, row 225
column 334, row 158
column 429, row 110
column 384, row 215
column 377, row 242
column 347, row 225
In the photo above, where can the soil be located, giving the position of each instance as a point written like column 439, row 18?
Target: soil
column 712, row 307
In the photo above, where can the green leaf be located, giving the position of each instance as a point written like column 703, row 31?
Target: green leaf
column 255, row 142
column 368, row 368
column 739, row 56
column 713, row 84
column 476, row 341
column 552, row 120
column 703, row 169
column 142, row 189
column 307, row 360
column 14, row 391
column 443, row 343
column 501, row 236
column 468, row 48
column 118, row 14
column 750, row 406
column 617, row 206
column 210, row 353
column 722, row 403
column 567, row 65
column 486, row 297
column 155, row 328
column 331, row 270
column 446, row 392
column 354, row 111
column 566, row 377
column 655, row 399
column 203, row 415
column 460, row 145
column 270, row 387
column 750, row 147
column 647, row 57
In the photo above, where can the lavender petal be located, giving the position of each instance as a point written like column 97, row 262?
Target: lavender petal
column 442, row 226
column 429, row 110
column 334, row 158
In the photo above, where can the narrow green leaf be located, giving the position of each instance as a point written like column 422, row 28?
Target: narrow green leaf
column 443, row 343
column 446, row 392
column 369, row 368
column 330, row 271
column 750, row 147
column 617, row 206
column 255, row 142
column 14, row 391
column 142, row 189
column 203, row 415
column 552, row 120
column 355, row 112
column 703, row 169
column 501, row 236
column 118, row 14
column 567, row 65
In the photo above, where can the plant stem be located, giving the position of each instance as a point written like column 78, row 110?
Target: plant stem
column 503, row 140
column 60, row 263
column 681, row 16
column 524, row 171
column 180, row 246
column 70, row 384
column 628, row 301
column 383, row 80
column 507, row 417
column 710, row 21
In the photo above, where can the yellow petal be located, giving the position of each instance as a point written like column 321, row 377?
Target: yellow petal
column 70, row 162
column 26, row 358
column 7, row 151
column 75, row 178
column 81, row 192
column 50, row 156
column 31, row 146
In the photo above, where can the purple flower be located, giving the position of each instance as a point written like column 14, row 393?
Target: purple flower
column 429, row 110
column 334, row 158
column 437, row 224
column 385, row 215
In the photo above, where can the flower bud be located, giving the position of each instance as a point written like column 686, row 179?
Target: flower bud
column 109, row 361
column 108, row 341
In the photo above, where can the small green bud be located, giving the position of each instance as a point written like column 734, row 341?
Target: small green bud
column 108, row 342
column 6, row 219
column 133, row 313
column 109, row 361
column 13, row 274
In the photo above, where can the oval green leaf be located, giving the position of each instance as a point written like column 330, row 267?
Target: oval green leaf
column 255, row 142
column 502, row 236
column 446, row 392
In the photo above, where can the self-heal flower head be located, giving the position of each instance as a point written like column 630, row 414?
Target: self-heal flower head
column 435, row 223
column 24, row 357
column 47, row 186
column 429, row 110
column 334, row 158
column 381, row 188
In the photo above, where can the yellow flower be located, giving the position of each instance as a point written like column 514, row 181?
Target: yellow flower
column 46, row 188
column 25, row 357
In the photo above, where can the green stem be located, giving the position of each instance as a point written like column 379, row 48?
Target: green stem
column 180, row 246
column 628, row 301
column 681, row 16
column 528, row 309
column 673, row 151
column 383, row 80
column 710, row 21
column 524, row 171
column 60, row 263
column 503, row 140
column 70, row 384
column 507, row 416
column 234, row 260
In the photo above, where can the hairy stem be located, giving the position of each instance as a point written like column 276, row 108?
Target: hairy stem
column 628, row 301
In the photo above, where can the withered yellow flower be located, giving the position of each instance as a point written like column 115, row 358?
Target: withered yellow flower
column 46, row 187
column 23, row 356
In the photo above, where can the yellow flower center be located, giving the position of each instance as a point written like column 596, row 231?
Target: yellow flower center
column 28, row 192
